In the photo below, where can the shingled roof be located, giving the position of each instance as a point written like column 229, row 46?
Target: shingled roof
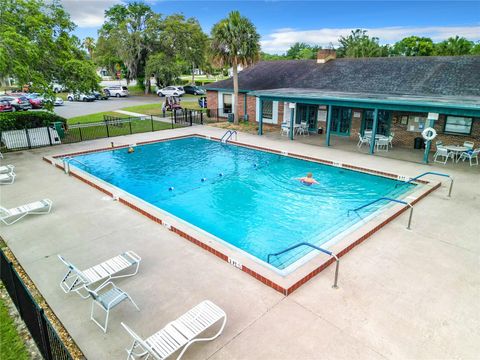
column 424, row 76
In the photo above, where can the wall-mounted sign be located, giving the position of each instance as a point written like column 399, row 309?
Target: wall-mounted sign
column 357, row 114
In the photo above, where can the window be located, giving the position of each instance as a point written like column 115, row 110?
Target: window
column 267, row 110
column 227, row 103
column 458, row 125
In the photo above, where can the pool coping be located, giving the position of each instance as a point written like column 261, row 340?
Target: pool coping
column 284, row 284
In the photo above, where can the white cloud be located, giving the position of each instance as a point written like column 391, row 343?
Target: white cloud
column 280, row 40
column 88, row 13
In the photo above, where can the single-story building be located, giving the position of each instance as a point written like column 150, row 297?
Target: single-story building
column 345, row 97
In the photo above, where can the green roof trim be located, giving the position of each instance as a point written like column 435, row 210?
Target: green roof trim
column 451, row 105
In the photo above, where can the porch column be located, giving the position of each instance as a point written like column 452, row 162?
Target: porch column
column 245, row 107
column 260, row 117
column 329, row 125
column 374, row 131
column 291, row 106
column 429, row 123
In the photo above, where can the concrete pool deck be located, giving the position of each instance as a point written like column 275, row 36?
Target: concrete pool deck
column 403, row 294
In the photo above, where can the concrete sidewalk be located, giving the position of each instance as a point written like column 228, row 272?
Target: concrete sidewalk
column 403, row 294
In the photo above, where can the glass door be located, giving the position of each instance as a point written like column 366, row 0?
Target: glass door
column 341, row 121
column 307, row 113
column 383, row 122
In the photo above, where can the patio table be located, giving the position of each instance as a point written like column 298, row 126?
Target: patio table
column 457, row 150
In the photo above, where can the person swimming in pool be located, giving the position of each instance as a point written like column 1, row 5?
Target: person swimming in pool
column 308, row 180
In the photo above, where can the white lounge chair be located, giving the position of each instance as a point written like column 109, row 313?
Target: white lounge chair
column 11, row 216
column 6, row 169
column 7, row 178
column 178, row 334
column 106, row 300
column 382, row 144
column 77, row 280
column 470, row 155
column 469, row 144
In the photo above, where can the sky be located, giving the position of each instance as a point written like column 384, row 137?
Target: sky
column 282, row 23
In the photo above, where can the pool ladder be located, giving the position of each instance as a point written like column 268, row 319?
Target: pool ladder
column 387, row 199
column 337, row 260
column 66, row 164
column 430, row 173
column 227, row 136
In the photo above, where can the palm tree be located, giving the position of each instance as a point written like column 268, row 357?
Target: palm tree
column 235, row 41
column 89, row 45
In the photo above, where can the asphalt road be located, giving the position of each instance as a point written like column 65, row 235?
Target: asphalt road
column 78, row 108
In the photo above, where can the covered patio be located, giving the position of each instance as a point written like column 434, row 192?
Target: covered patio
column 351, row 120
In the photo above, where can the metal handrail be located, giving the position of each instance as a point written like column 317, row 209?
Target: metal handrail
column 66, row 164
column 337, row 260
column 387, row 199
column 230, row 133
column 430, row 173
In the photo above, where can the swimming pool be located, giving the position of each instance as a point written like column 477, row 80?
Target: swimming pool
column 247, row 198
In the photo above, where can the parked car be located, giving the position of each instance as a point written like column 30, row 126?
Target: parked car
column 19, row 102
column 5, row 106
column 202, row 102
column 170, row 91
column 35, row 100
column 80, row 97
column 58, row 88
column 117, row 91
column 56, row 102
column 100, row 95
column 194, row 90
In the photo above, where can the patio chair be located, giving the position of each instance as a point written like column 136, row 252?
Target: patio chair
column 106, row 300
column 469, row 144
column 382, row 144
column 303, row 129
column 362, row 140
column 11, row 216
column 444, row 153
column 390, row 140
column 6, row 169
column 77, row 280
column 438, row 143
column 180, row 333
column 284, row 129
column 1, row 155
column 7, row 178
column 470, row 155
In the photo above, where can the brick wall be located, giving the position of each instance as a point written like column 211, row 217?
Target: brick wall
column 212, row 100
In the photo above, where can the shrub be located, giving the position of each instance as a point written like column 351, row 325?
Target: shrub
column 30, row 119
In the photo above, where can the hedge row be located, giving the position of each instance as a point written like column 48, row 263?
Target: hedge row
column 30, row 119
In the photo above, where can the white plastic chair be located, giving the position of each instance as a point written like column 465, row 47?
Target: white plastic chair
column 284, row 129
column 469, row 144
column 77, row 280
column 473, row 155
column 178, row 334
column 8, row 178
column 7, row 169
column 390, row 140
column 362, row 140
column 303, row 129
column 382, row 144
column 11, row 216
column 443, row 153
column 106, row 300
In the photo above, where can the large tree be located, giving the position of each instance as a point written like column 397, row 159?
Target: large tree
column 358, row 44
column 235, row 41
column 454, row 46
column 131, row 31
column 89, row 45
column 36, row 47
column 414, row 46
column 300, row 50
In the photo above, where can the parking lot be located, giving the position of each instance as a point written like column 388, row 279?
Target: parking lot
column 77, row 108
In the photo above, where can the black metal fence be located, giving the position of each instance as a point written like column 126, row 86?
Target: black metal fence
column 58, row 133
column 43, row 333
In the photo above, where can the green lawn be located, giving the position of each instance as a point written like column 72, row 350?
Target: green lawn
column 11, row 345
column 93, row 117
column 147, row 109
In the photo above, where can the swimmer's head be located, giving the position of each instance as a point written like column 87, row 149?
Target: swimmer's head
column 309, row 175
column 130, row 149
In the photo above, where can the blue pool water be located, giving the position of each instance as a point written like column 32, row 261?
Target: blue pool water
column 248, row 198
